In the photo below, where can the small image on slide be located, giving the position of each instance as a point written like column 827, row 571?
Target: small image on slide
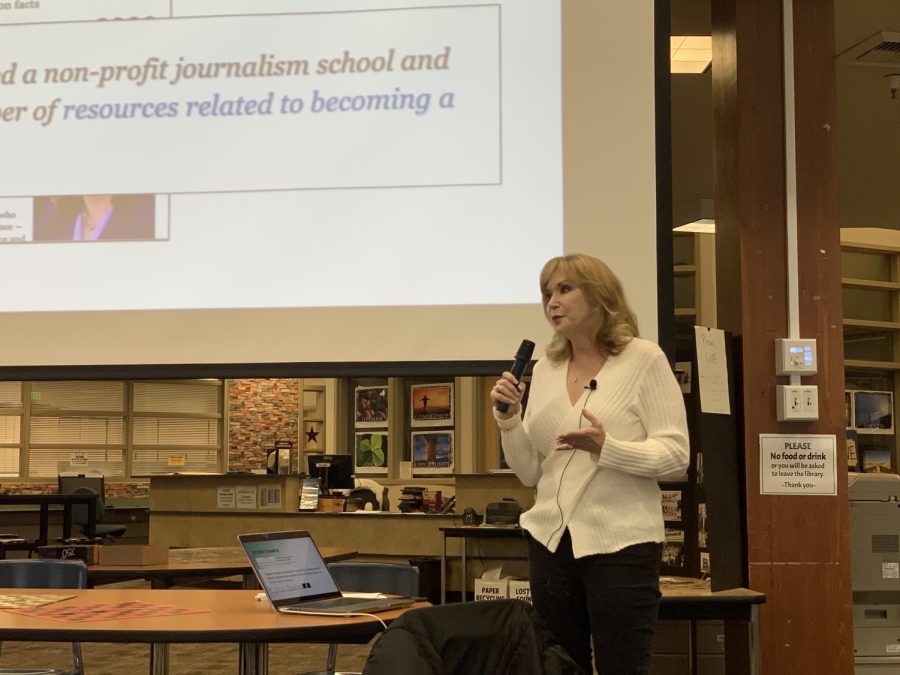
column 85, row 218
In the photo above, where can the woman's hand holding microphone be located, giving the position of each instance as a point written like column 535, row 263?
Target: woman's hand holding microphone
column 509, row 391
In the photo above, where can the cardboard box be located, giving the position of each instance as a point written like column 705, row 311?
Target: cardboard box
column 133, row 554
column 87, row 553
column 330, row 504
column 491, row 589
column 520, row 589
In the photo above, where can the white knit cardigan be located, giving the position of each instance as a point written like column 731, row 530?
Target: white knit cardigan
column 609, row 501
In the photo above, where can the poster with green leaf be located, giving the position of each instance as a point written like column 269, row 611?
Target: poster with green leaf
column 371, row 452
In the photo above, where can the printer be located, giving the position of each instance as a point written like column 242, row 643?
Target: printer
column 875, row 571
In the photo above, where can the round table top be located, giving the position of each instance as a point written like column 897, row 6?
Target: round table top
column 193, row 615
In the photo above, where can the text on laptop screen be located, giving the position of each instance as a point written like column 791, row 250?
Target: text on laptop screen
column 290, row 568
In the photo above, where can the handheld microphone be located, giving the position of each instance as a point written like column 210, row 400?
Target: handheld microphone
column 523, row 356
column 592, row 385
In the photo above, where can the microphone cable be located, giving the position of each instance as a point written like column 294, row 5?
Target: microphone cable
column 592, row 387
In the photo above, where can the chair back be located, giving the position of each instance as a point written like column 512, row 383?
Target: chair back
column 83, row 485
column 40, row 573
column 370, row 577
column 501, row 637
column 80, row 511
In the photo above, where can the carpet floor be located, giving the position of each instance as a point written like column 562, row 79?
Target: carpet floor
column 201, row 659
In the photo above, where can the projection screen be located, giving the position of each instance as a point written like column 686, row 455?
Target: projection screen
column 213, row 181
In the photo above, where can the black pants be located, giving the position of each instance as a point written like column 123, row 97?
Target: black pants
column 611, row 597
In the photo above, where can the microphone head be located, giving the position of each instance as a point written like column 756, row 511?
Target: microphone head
column 593, row 385
column 526, row 349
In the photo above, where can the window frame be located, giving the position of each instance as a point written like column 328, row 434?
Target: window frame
column 26, row 414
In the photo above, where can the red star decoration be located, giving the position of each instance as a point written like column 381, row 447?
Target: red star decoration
column 312, row 435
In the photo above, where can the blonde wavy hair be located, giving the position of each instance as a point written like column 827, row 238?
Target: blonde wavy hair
column 602, row 290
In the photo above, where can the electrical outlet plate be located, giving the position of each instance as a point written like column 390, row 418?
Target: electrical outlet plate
column 795, row 357
column 797, row 403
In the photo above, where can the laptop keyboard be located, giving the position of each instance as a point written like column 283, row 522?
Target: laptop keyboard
column 333, row 602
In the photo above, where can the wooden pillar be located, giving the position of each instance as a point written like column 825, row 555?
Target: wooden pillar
column 798, row 546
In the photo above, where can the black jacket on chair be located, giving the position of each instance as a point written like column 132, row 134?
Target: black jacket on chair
column 493, row 636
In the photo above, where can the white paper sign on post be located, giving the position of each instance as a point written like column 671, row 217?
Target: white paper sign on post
column 712, row 370
column 797, row 464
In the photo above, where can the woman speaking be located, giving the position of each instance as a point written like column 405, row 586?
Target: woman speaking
column 605, row 420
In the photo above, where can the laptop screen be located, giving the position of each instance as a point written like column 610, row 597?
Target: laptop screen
column 289, row 566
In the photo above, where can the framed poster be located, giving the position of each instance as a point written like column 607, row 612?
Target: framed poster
column 671, row 504
column 673, row 554
column 431, row 405
column 873, row 412
column 371, row 452
column 371, row 406
column 701, row 525
column 876, row 460
column 704, row 563
column 432, row 452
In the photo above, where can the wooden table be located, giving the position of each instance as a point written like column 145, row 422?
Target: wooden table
column 466, row 533
column 737, row 608
column 196, row 564
column 234, row 616
column 48, row 500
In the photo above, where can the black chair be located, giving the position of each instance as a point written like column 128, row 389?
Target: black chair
column 93, row 485
column 370, row 577
column 501, row 637
column 45, row 574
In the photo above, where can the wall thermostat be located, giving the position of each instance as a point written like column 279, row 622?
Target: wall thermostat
column 795, row 357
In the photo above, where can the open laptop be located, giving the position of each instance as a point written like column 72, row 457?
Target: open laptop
column 296, row 578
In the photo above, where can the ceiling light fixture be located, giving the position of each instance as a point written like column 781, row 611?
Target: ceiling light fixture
column 893, row 81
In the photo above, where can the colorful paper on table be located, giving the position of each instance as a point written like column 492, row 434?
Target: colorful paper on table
column 20, row 601
column 107, row 611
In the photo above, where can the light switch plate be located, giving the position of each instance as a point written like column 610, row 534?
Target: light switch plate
column 795, row 357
